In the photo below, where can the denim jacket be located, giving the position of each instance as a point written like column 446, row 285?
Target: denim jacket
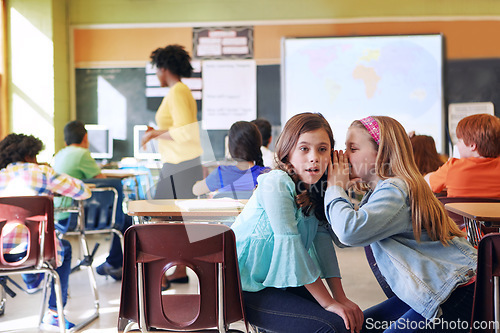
column 422, row 274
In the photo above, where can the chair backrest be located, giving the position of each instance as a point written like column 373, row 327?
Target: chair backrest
column 459, row 220
column 201, row 247
column 33, row 212
column 488, row 268
column 100, row 209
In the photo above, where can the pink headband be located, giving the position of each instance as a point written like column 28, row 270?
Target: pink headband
column 372, row 127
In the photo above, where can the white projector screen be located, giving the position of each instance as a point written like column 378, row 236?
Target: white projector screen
column 348, row 78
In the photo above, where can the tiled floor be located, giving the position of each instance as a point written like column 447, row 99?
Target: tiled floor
column 21, row 313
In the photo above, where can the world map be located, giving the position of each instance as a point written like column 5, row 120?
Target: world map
column 347, row 78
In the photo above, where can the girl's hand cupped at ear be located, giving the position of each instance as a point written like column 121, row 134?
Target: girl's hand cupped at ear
column 338, row 170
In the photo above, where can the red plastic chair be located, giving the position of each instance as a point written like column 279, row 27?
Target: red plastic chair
column 37, row 214
column 486, row 307
column 207, row 249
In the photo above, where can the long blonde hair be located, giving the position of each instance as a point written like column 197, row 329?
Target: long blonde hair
column 395, row 159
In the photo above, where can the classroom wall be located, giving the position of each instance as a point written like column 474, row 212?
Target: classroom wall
column 110, row 33
column 175, row 11
column 101, row 47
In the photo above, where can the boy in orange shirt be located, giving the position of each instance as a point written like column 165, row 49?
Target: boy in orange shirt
column 476, row 172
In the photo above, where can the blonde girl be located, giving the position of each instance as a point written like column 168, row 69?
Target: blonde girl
column 419, row 250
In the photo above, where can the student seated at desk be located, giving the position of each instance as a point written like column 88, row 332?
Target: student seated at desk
column 265, row 128
column 237, row 181
column 421, row 253
column 425, row 153
column 475, row 173
column 75, row 160
column 21, row 175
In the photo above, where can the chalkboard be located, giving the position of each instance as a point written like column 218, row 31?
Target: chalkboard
column 468, row 81
column 140, row 110
column 127, row 82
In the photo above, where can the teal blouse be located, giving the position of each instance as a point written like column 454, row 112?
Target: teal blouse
column 277, row 245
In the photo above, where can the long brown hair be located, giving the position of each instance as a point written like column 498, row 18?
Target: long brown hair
column 395, row 159
column 425, row 153
column 294, row 127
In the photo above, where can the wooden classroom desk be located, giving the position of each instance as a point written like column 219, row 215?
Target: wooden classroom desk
column 122, row 173
column 167, row 210
column 487, row 213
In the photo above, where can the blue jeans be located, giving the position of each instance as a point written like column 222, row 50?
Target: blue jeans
column 457, row 310
column 290, row 310
column 64, row 270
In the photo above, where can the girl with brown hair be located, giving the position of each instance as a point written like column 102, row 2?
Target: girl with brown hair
column 283, row 243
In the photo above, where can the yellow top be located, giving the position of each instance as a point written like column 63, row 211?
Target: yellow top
column 177, row 114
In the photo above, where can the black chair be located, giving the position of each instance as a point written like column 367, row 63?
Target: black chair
column 96, row 215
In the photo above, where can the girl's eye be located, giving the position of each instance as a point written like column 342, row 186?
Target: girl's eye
column 322, row 149
column 303, row 148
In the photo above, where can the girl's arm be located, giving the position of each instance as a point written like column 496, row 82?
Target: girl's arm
column 348, row 311
column 335, row 285
column 384, row 214
column 211, row 183
column 200, row 187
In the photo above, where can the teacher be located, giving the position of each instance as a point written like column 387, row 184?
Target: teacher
column 178, row 133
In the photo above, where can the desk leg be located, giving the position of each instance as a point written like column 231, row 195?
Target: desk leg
column 137, row 188
column 496, row 302
column 136, row 219
column 473, row 231
column 220, row 299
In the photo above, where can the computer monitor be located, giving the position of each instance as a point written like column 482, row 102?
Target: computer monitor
column 100, row 141
column 150, row 151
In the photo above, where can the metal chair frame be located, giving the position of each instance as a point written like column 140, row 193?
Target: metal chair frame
column 44, row 260
column 126, row 323
column 81, row 232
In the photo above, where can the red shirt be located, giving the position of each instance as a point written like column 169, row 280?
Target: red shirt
column 468, row 177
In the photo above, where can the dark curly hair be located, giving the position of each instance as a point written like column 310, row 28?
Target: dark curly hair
column 174, row 58
column 18, row 147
